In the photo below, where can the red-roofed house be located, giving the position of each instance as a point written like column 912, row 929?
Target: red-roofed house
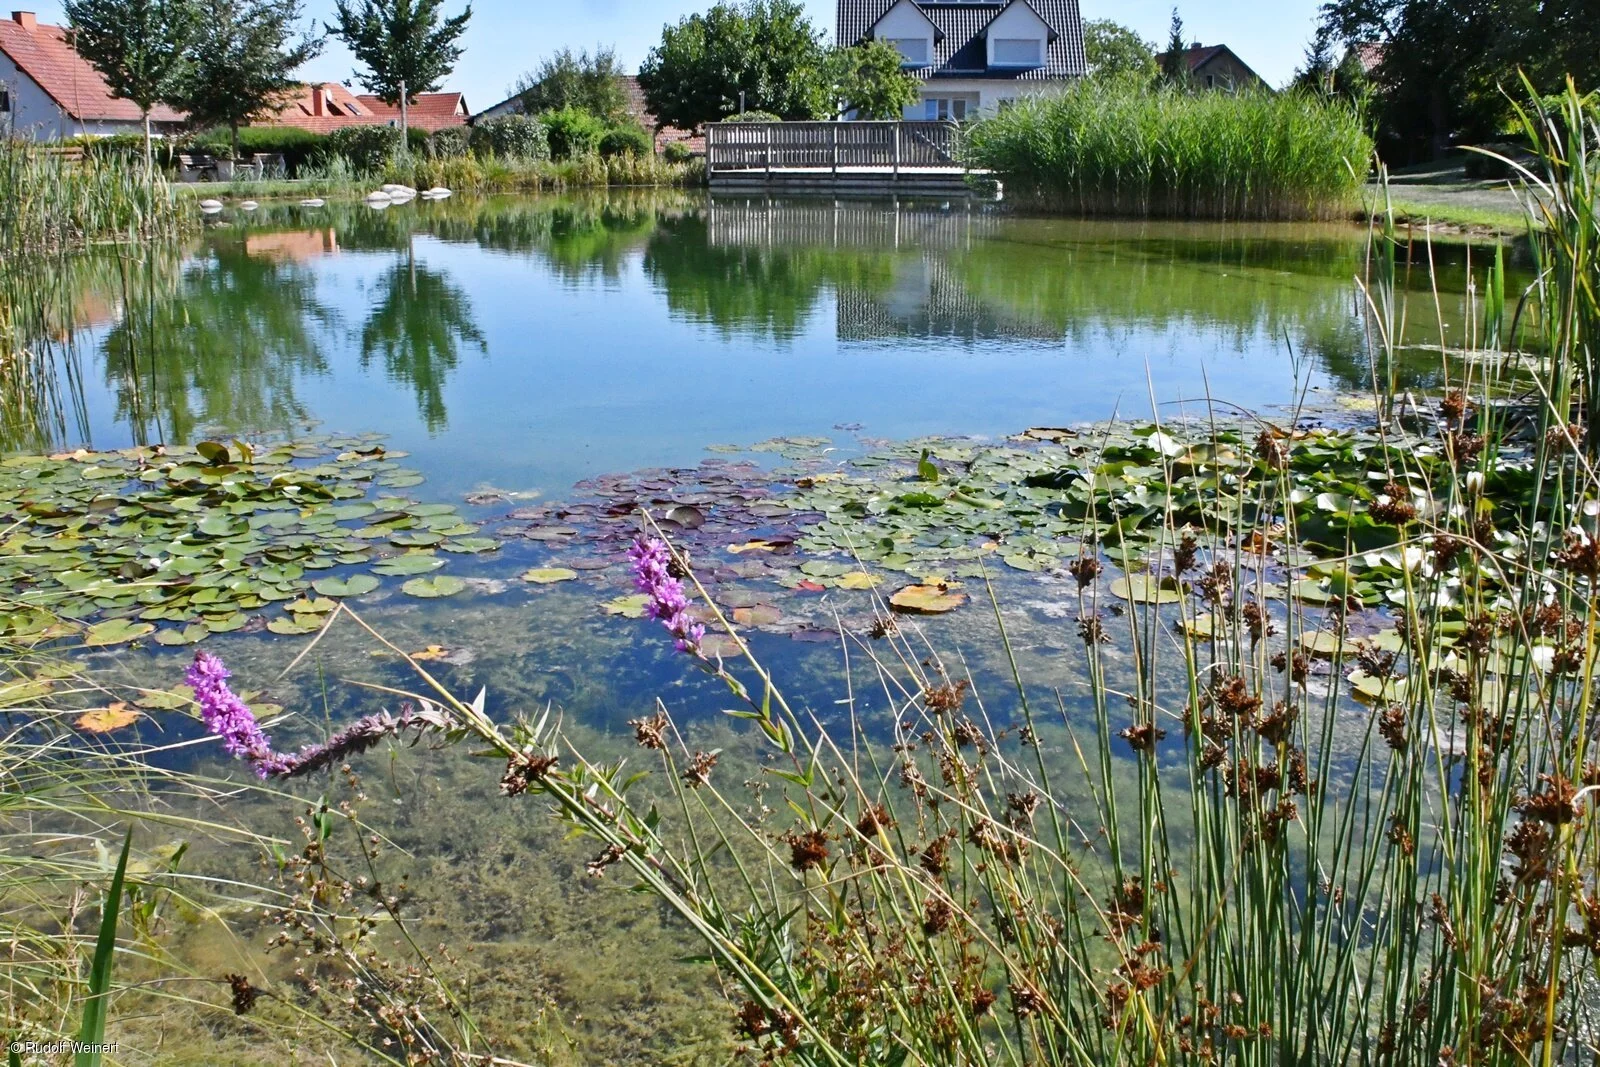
column 49, row 92
column 329, row 106
column 1216, row 67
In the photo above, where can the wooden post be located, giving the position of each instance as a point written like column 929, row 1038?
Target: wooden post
column 897, row 157
column 768, row 128
column 835, row 129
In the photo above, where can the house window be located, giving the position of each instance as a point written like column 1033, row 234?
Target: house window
column 1017, row 52
column 913, row 49
column 944, row 108
column 5, row 101
column 1211, row 81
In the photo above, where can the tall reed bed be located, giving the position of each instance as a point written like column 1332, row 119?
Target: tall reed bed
column 1118, row 148
column 49, row 202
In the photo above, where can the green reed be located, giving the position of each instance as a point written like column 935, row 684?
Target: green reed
column 50, row 202
column 1120, row 148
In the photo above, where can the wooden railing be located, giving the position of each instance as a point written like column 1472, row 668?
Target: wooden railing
column 831, row 146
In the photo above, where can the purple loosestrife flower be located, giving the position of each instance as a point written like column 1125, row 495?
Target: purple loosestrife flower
column 668, row 603
column 229, row 717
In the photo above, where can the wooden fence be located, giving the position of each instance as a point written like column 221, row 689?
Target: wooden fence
column 831, row 146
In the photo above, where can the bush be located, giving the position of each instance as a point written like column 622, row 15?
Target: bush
column 511, row 137
column 572, row 133
column 677, row 152
column 365, row 148
column 754, row 116
column 627, row 141
column 295, row 145
column 1115, row 148
column 452, row 142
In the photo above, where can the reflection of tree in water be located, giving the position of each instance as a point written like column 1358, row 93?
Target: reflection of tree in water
column 223, row 351
column 754, row 290
column 417, row 329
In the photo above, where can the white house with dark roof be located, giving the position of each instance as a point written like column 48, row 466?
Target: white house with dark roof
column 972, row 56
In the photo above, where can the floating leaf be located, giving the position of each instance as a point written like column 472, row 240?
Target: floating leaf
column 546, row 575
column 104, row 720
column 310, row 606
column 410, row 563
column 432, row 652
column 857, row 580
column 1202, row 626
column 927, row 599
column 189, row 635
column 759, row 615
column 441, row 585
column 470, row 544
column 629, row 607
column 1322, row 644
column 290, row 625
column 1147, row 589
column 355, row 585
column 116, row 632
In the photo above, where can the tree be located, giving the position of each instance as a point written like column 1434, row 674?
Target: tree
column 763, row 52
column 1115, row 51
column 582, row 81
column 405, row 45
column 1444, row 63
column 140, row 47
column 872, row 80
column 1316, row 75
column 1175, row 61
column 243, row 61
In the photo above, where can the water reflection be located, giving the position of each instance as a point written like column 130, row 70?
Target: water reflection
column 634, row 328
column 416, row 331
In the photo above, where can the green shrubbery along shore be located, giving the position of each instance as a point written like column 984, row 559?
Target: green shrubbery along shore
column 1119, row 148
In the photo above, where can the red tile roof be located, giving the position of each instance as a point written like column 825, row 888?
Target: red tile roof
column 639, row 110
column 329, row 106
column 44, row 54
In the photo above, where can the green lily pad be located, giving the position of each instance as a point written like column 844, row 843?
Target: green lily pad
column 410, row 563
column 470, row 544
column 546, row 575
column 927, row 599
column 293, row 625
column 629, row 607
column 1147, row 589
column 116, row 632
column 440, row 585
column 310, row 606
column 355, row 585
column 187, row 636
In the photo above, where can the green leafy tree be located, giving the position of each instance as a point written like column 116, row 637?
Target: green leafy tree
column 407, row 46
column 1316, row 73
column 872, row 80
column 140, row 47
column 1115, row 51
column 575, row 80
column 764, row 51
column 242, row 61
column 1175, row 60
column 1444, row 62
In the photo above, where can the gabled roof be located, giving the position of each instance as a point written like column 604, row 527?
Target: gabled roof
column 962, row 51
column 937, row 32
column 1198, row 56
column 45, row 54
column 339, row 107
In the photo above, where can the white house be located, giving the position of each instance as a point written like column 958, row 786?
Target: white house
column 49, row 92
column 973, row 56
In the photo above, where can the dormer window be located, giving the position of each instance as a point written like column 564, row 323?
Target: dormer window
column 1018, row 52
column 913, row 50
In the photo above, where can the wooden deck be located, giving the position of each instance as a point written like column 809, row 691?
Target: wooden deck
column 860, row 157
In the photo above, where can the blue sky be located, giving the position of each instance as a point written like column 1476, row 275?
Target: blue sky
column 507, row 37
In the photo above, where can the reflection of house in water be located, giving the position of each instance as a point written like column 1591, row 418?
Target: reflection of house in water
column 294, row 245
column 916, row 292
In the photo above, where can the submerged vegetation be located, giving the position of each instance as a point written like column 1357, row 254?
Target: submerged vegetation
column 1117, row 147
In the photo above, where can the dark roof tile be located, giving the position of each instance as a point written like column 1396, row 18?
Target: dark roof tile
column 962, row 52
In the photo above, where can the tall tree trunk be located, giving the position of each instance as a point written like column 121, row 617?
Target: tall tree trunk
column 233, row 129
column 149, row 155
column 405, row 136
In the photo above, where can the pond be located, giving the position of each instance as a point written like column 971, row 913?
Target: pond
column 521, row 353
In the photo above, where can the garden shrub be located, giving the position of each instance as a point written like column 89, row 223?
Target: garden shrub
column 677, row 152
column 511, row 137
column 452, row 142
column 366, row 148
column 626, row 141
column 297, row 146
column 572, row 133
column 754, row 116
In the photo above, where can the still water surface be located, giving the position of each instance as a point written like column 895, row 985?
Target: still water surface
column 528, row 344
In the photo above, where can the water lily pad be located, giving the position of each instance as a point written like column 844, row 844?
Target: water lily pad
column 546, row 575
column 857, row 580
column 1322, row 644
column 470, row 544
column 116, row 632
column 189, row 635
column 310, row 606
column 290, row 625
column 1147, row 589
column 927, row 599
column 104, row 720
column 759, row 615
column 355, row 585
column 410, row 563
column 629, row 607
column 440, row 585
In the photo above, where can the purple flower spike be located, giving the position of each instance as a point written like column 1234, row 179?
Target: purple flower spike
column 652, row 575
column 229, row 717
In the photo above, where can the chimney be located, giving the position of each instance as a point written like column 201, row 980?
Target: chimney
column 316, row 99
column 26, row 19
